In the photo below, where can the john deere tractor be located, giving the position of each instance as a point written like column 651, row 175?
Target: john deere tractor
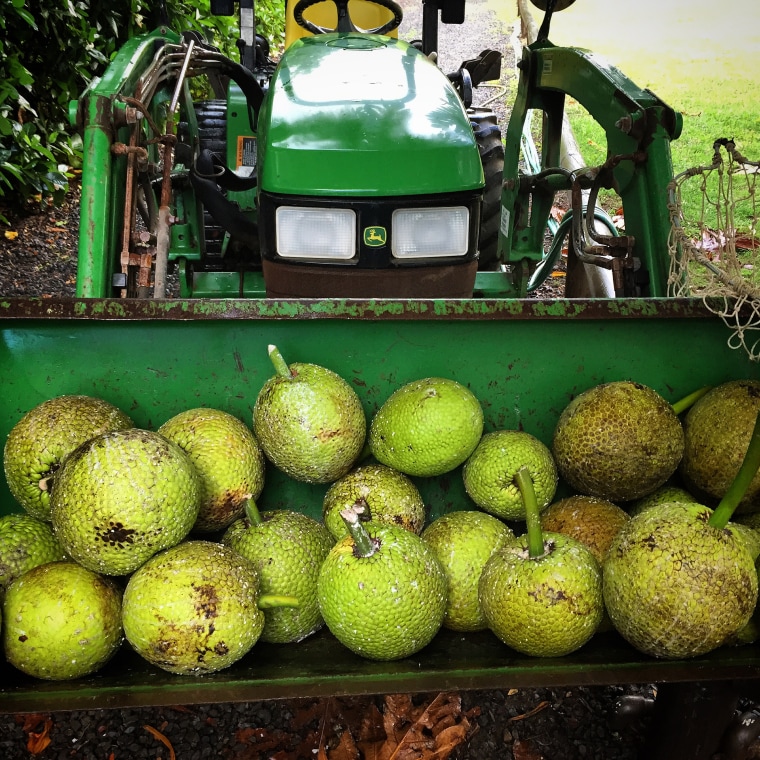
column 353, row 166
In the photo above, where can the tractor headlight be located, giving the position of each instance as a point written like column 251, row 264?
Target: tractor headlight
column 315, row 233
column 428, row 232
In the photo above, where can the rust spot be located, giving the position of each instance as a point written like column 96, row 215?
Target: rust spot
column 23, row 637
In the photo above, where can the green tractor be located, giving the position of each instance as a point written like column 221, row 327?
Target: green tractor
column 353, row 167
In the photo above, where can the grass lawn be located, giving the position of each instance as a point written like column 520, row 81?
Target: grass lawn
column 699, row 56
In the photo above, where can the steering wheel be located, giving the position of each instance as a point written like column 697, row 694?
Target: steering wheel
column 559, row 5
column 344, row 19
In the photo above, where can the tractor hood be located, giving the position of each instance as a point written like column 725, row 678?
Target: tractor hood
column 363, row 115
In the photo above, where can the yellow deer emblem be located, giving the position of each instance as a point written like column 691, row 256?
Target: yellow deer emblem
column 375, row 236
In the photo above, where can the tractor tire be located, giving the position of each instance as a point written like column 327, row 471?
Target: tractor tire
column 488, row 137
column 211, row 116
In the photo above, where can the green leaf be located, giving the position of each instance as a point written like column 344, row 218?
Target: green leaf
column 20, row 73
column 26, row 16
column 7, row 92
column 11, row 169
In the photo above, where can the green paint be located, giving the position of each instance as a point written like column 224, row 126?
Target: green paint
column 548, row 76
column 331, row 125
column 523, row 359
column 103, row 178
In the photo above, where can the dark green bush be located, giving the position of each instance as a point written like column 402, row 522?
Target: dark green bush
column 49, row 54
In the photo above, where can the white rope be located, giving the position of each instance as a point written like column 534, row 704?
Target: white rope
column 728, row 281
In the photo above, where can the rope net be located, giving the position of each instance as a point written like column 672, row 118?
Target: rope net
column 715, row 254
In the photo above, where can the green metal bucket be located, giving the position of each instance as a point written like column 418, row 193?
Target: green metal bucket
column 524, row 360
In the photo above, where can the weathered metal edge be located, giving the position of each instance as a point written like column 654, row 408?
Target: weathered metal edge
column 369, row 309
column 72, row 696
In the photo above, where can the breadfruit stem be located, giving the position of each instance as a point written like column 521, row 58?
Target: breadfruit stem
column 364, row 546
column 252, row 512
column 272, row 601
column 361, row 507
column 688, row 401
column 750, row 464
column 532, row 513
column 280, row 365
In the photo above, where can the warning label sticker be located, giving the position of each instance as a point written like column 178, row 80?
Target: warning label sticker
column 246, row 151
column 504, row 221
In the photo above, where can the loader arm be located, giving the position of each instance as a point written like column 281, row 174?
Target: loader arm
column 638, row 127
column 102, row 118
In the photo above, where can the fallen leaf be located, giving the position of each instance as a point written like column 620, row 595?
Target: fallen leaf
column 430, row 731
column 158, row 735
column 712, row 240
column 540, row 706
column 11, row 234
column 306, row 714
column 244, row 735
column 182, row 709
column 747, row 242
column 346, row 749
column 371, row 728
column 524, row 750
column 37, row 741
column 306, row 747
column 260, row 737
column 557, row 213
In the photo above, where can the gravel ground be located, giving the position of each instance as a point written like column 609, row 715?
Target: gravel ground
column 38, row 249
column 524, row 725
column 38, row 258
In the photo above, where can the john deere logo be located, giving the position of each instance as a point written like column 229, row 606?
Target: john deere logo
column 375, row 236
